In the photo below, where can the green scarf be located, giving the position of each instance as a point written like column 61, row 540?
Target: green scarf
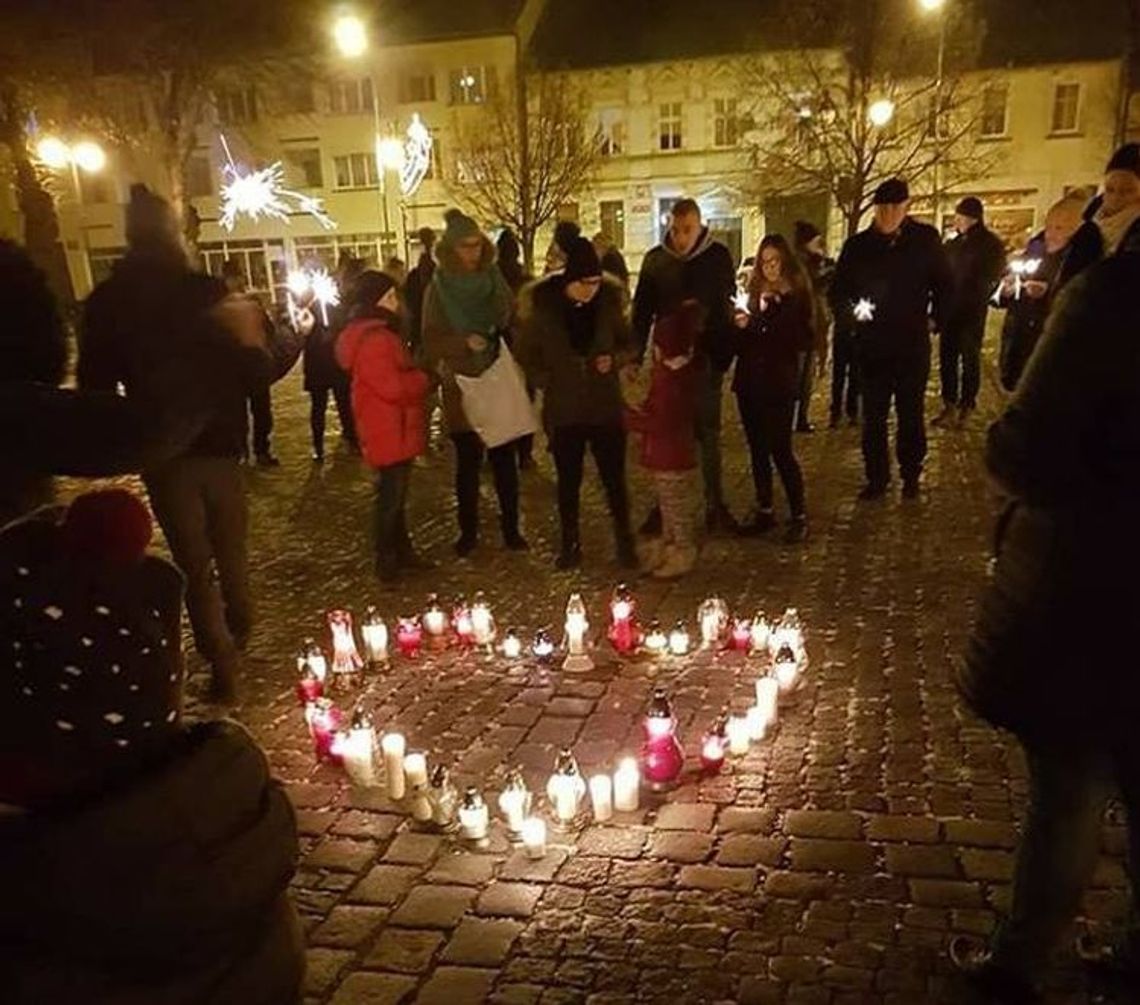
column 475, row 302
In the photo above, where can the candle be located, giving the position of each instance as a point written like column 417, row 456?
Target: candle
column 543, row 648
column 679, row 639
column 393, row 746
column 422, row 809
column 601, row 795
column 577, row 660
column 627, row 786
column 788, row 632
column 324, row 720
column 375, row 635
column 785, row 668
column 435, row 621
column 656, row 641
column 757, row 723
column 741, row 635
column 661, row 755
column 346, row 660
column 461, row 623
column 415, row 768
column 738, row 736
column 514, row 801
column 310, row 657
column 760, row 632
column 534, row 837
column 713, row 746
column 357, row 749
column 712, row 616
column 309, row 687
column 623, row 632
column 767, row 690
column 409, row 637
column 482, row 624
column 512, row 647
column 444, row 798
column 566, row 787
column 473, row 816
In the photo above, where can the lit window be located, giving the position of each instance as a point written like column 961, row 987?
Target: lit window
column 237, row 106
column 1066, row 107
column 669, row 125
column 611, row 127
column 995, row 100
column 611, row 213
column 469, row 85
column 355, row 171
column 726, row 123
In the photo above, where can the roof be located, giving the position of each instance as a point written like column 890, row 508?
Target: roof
column 1025, row 32
column 409, row 21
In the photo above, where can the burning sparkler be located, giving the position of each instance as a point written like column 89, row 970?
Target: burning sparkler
column 263, row 193
column 317, row 282
column 864, row 309
column 1022, row 269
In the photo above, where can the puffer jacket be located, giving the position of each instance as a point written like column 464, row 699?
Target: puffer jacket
column 169, row 890
column 574, row 392
column 1050, row 656
column 388, row 392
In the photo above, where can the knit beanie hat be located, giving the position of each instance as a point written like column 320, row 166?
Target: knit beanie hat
column 369, row 287
column 891, row 192
column 805, row 233
column 1127, row 158
column 566, row 232
column 91, row 627
column 151, row 221
column 581, row 260
column 458, row 226
column 971, row 206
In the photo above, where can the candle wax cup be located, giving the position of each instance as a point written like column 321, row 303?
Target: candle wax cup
column 601, row 795
column 534, row 837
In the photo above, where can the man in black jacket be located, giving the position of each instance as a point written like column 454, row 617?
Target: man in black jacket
column 689, row 264
column 891, row 279
column 977, row 258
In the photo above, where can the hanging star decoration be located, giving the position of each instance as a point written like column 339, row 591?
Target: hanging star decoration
column 864, row 310
column 262, row 193
column 417, row 155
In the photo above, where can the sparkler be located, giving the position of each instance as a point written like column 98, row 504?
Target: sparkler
column 864, row 309
column 263, row 193
column 1022, row 268
column 740, row 301
column 320, row 284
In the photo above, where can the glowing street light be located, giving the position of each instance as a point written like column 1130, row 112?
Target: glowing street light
column 390, row 153
column 350, row 36
column 54, row 153
column 86, row 155
column 89, row 156
column 930, row 6
column 881, row 112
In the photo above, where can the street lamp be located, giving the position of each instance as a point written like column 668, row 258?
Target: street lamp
column 931, row 5
column 350, row 36
column 86, row 156
column 937, row 7
column 880, row 112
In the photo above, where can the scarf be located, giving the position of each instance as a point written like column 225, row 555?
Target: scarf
column 581, row 323
column 476, row 303
column 1113, row 228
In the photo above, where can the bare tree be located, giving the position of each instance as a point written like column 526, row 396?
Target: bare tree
column 520, row 158
column 839, row 120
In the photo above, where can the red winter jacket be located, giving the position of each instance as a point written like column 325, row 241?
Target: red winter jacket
column 667, row 418
column 387, row 392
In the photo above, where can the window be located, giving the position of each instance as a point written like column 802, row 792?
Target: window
column 356, row 171
column 470, row 85
column 102, row 262
column 1066, row 106
column 995, row 99
column 726, row 124
column 611, row 213
column 199, row 177
column 350, row 97
column 669, row 125
column 305, row 166
column 237, row 106
column 611, row 127
column 296, row 92
column 318, row 252
column 415, row 87
column 366, row 246
column 262, row 264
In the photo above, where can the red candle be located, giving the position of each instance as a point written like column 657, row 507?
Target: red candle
column 309, row 687
column 661, row 755
column 713, row 747
column 741, row 634
column 462, row 624
column 409, row 637
column 624, row 636
column 324, row 720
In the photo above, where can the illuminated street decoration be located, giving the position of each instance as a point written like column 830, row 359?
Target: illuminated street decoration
column 417, row 156
column 864, row 310
column 258, row 194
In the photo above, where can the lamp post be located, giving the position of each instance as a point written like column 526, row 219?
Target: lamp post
column 937, row 7
column 86, row 156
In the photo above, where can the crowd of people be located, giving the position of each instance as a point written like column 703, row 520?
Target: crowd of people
column 172, row 364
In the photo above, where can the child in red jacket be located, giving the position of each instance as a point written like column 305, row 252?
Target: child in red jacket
column 388, row 393
column 666, row 422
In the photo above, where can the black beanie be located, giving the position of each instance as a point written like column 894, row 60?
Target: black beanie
column 1127, row 158
column 581, row 260
column 369, row 287
column 971, row 206
column 805, row 233
column 566, row 232
column 891, row 192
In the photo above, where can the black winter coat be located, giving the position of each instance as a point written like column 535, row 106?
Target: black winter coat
column 706, row 275
column 1025, row 316
column 149, row 323
column 769, row 350
column 321, row 370
column 977, row 259
column 905, row 276
column 1051, row 655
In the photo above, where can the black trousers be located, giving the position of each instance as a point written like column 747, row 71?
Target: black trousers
column 844, row 375
column 469, row 454
column 607, row 444
column 261, row 412
column 902, row 378
column 390, row 522
column 960, row 345
column 807, row 385
column 318, row 407
column 768, row 429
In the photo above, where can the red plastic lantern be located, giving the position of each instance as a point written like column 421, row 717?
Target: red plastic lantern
column 309, row 687
column 324, row 720
column 409, row 637
column 714, row 745
column 741, row 634
column 624, row 634
column 661, row 755
column 462, row 624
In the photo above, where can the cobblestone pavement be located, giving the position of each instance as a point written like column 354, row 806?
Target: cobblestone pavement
column 830, row 864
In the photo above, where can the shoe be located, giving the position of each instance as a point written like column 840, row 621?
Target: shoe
column 718, row 520
column 872, row 490
column 759, row 522
column 267, row 461
column 652, row 525
column 807, row 427
column 911, row 488
column 318, row 456
column 944, row 417
column 570, row 557
column 465, row 545
column 677, row 562
column 976, row 963
column 514, row 541
column 797, row 531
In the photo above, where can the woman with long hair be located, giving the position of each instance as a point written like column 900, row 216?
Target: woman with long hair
column 772, row 334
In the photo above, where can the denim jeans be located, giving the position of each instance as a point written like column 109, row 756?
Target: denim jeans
column 709, row 395
column 1068, row 790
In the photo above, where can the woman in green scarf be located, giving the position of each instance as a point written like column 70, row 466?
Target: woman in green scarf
column 467, row 309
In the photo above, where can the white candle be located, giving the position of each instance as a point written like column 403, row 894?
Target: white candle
column 393, row 745
column 757, row 723
column 435, row 621
column 565, row 799
column 356, row 749
column 767, row 693
column 512, row 647
column 513, row 804
column 710, row 629
column 738, row 735
column 679, row 641
column 601, row 795
column 421, row 805
column 760, row 632
column 474, row 816
column 415, row 769
column 534, row 837
column 482, row 624
column 627, row 786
